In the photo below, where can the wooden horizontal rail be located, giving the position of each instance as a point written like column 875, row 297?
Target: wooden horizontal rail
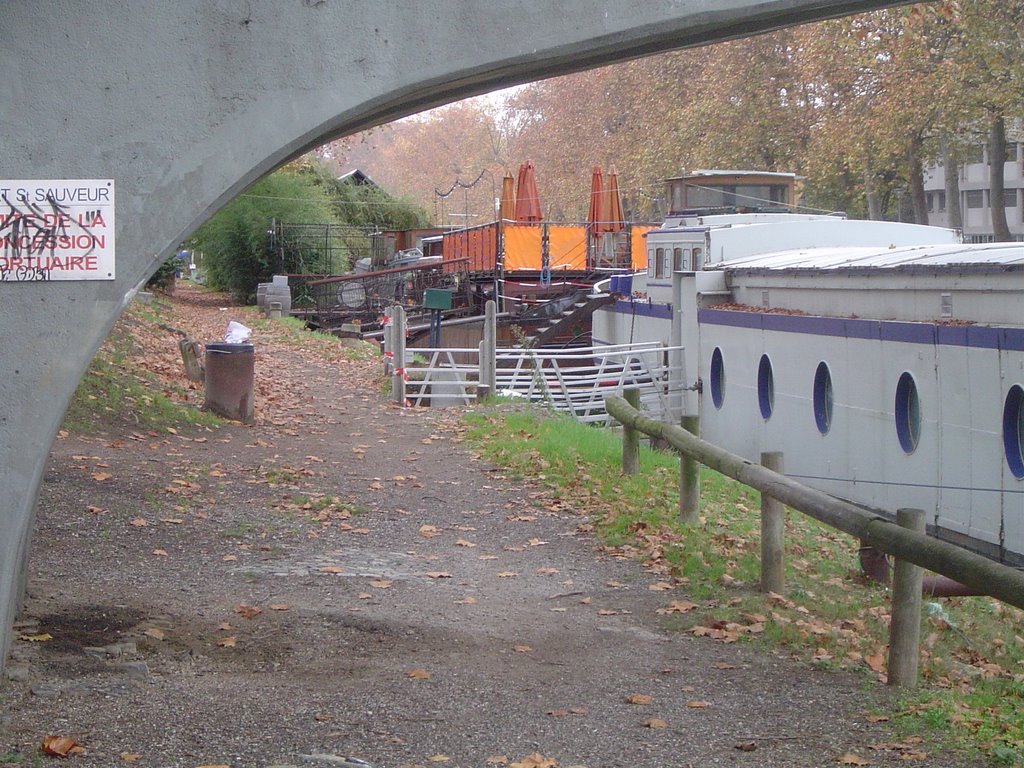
column 986, row 576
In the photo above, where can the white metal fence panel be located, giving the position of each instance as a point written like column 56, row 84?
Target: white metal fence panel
column 573, row 381
column 434, row 376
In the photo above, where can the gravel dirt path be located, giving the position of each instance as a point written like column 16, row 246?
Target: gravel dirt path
column 344, row 577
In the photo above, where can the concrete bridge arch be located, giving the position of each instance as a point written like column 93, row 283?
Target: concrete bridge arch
column 184, row 104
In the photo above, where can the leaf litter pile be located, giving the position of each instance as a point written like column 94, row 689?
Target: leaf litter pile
column 343, row 578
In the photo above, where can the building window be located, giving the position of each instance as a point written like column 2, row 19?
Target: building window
column 651, row 262
column 1009, row 198
column 1012, row 152
column 940, row 201
column 765, row 387
column 696, row 259
column 823, row 398
column 975, row 198
column 908, row 413
column 974, row 155
column 681, row 259
column 717, row 378
column 1013, row 430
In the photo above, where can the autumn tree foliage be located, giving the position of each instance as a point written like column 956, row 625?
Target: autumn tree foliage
column 857, row 106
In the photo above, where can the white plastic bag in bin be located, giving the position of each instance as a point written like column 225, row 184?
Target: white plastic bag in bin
column 237, row 333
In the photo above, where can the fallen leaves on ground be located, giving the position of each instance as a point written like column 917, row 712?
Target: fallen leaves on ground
column 61, row 746
column 418, row 674
column 655, row 723
column 850, row 758
column 677, row 606
column 639, row 698
column 247, row 611
column 536, row 760
column 876, row 662
column 39, row 638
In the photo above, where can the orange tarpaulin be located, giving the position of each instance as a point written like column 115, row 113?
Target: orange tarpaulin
column 522, row 246
column 479, row 245
column 638, row 244
column 567, row 247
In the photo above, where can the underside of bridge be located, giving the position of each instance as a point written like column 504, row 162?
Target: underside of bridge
column 182, row 105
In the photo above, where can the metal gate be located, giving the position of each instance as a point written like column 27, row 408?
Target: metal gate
column 573, row 381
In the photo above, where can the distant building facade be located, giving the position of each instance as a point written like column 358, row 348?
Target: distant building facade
column 975, row 197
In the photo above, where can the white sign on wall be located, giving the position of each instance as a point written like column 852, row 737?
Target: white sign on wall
column 56, row 230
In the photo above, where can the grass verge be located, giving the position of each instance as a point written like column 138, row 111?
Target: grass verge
column 972, row 656
column 120, row 386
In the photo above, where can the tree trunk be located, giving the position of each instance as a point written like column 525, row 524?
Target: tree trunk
column 951, row 170
column 996, row 178
column 915, row 171
column 871, row 193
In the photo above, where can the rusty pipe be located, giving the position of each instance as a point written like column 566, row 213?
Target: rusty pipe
column 877, row 566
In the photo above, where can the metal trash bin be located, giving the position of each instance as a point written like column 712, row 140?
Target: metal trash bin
column 229, row 380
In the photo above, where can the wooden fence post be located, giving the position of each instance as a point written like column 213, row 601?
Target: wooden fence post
column 689, row 477
column 631, row 437
column 773, row 532
column 905, row 627
column 398, row 346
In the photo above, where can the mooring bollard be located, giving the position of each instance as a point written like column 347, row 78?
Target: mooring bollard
column 773, row 532
column 689, row 477
column 905, row 627
column 631, row 437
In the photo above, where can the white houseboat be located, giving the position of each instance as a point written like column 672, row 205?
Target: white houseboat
column 885, row 360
